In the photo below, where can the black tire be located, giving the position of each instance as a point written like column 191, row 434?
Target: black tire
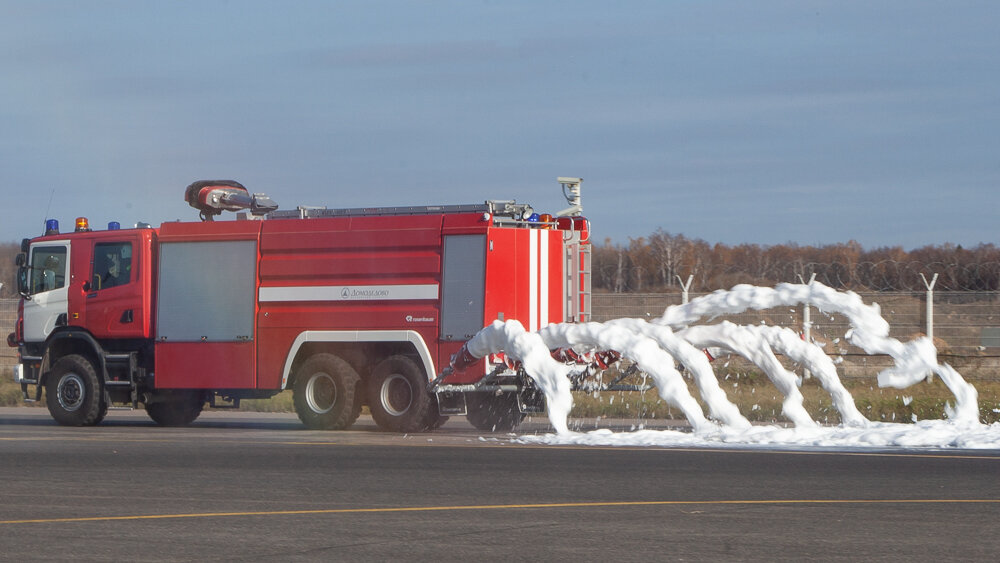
column 436, row 421
column 101, row 412
column 326, row 393
column 176, row 408
column 493, row 413
column 398, row 397
column 73, row 392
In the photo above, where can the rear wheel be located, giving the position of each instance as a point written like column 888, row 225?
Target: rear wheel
column 176, row 408
column 73, row 393
column 325, row 393
column 436, row 421
column 493, row 413
column 398, row 397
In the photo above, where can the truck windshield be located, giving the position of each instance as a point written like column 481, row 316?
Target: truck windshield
column 48, row 268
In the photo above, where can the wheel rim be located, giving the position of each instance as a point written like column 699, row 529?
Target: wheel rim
column 71, row 392
column 321, row 393
column 396, row 395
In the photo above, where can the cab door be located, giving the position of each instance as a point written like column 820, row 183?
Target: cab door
column 48, row 289
column 113, row 303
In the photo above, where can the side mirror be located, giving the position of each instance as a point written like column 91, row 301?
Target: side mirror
column 22, row 280
column 20, row 259
column 25, row 245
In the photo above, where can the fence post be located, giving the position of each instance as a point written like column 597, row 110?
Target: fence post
column 930, row 305
column 807, row 321
column 685, row 286
column 930, row 312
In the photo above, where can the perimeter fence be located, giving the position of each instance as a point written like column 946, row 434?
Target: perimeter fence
column 8, row 316
column 965, row 326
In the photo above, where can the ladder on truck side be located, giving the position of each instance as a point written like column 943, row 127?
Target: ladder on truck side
column 578, row 280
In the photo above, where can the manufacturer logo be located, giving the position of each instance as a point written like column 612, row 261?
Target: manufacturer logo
column 412, row 319
column 363, row 293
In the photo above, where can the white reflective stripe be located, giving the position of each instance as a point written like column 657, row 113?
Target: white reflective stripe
column 532, row 280
column 543, row 284
column 410, row 336
column 349, row 293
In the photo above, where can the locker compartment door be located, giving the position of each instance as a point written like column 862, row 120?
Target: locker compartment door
column 205, row 315
column 463, row 291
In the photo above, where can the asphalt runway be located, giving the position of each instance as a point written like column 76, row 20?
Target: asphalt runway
column 257, row 487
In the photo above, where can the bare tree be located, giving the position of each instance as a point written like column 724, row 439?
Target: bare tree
column 656, row 262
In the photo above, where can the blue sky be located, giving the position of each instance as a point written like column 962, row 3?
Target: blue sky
column 734, row 122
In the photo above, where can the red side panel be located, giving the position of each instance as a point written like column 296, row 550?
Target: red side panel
column 504, row 282
column 525, row 278
column 204, row 365
column 380, row 273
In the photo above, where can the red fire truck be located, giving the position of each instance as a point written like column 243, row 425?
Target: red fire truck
column 345, row 307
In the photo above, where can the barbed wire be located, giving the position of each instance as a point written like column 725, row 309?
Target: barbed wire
column 891, row 275
column 885, row 275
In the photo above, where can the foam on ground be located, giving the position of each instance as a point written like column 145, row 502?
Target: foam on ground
column 922, row 434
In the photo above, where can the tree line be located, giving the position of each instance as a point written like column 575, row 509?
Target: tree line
column 662, row 261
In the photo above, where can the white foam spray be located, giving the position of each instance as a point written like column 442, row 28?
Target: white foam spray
column 719, row 406
column 751, row 346
column 914, row 360
column 787, row 342
column 643, row 350
column 550, row 375
column 655, row 346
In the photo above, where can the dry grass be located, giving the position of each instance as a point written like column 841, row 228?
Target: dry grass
column 759, row 400
column 282, row 402
column 754, row 395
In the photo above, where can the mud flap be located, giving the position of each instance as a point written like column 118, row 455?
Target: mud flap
column 451, row 403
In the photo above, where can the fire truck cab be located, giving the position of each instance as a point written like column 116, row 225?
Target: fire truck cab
column 345, row 307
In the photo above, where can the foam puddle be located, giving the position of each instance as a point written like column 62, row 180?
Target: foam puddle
column 923, row 434
column 655, row 347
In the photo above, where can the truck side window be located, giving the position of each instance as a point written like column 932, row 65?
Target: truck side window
column 48, row 268
column 112, row 264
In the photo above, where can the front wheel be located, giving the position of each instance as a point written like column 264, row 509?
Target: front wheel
column 326, row 393
column 398, row 397
column 73, row 392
